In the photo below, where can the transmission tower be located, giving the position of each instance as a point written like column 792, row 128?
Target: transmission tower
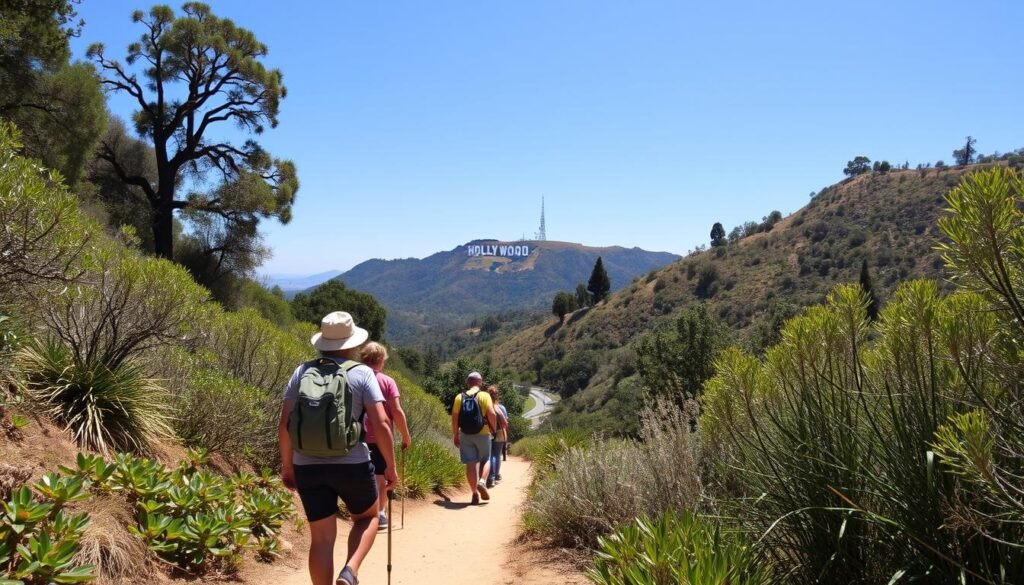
column 542, row 234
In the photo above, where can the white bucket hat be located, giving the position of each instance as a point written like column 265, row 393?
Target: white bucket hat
column 337, row 332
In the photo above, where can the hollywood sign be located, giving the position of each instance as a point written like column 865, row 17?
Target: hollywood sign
column 506, row 250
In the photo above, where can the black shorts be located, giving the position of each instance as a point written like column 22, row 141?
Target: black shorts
column 321, row 485
column 377, row 458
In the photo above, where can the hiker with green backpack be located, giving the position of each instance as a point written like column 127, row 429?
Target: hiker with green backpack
column 322, row 453
column 472, row 420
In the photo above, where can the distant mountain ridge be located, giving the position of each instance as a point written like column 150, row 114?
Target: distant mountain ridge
column 489, row 276
column 298, row 282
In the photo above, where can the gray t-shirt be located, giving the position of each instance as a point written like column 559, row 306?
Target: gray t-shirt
column 365, row 392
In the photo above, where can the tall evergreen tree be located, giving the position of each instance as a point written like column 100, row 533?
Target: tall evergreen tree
column 599, row 285
column 869, row 290
column 201, row 72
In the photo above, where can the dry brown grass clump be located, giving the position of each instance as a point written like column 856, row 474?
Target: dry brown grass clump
column 597, row 487
column 120, row 557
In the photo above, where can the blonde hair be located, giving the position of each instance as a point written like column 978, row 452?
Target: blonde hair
column 374, row 353
column 493, row 391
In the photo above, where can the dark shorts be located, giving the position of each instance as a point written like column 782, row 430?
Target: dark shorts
column 377, row 458
column 321, row 485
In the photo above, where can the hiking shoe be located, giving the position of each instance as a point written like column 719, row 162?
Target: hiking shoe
column 484, row 494
column 382, row 521
column 490, row 482
column 347, row 577
column 498, row 478
column 476, row 499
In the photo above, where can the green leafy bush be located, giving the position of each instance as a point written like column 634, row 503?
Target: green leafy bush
column 106, row 409
column 431, row 467
column 39, row 540
column 194, row 519
column 44, row 232
column 675, row 549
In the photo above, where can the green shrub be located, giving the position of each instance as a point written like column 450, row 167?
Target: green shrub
column 545, row 450
column 39, row 540
column 829, row 437
column 125, row 306
column 196, row 520
column 44, row 231
column 675, row 549
column 431, row 467
column 104, row 409
column 221, row 414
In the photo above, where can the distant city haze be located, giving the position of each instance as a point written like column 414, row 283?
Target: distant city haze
column 416, row 126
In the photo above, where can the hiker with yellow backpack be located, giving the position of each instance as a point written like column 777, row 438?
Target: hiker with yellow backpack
column 322, row 453
column 472, row 422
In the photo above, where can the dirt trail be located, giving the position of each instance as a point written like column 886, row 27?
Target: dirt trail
column 449, row 542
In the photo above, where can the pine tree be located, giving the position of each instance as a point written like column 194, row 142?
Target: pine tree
column 599, row 284
column 869, row 290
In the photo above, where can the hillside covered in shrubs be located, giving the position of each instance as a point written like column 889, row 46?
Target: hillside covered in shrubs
column 126, row 354
column 750, row 283
column 849, row 450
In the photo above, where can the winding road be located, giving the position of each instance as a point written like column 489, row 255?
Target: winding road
column 545, row 401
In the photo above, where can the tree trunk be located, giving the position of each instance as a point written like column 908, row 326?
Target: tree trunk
column 163, row 231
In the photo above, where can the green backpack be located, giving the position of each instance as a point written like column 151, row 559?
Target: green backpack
column 321, row 423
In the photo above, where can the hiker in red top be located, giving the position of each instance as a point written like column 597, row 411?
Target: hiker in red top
column 374, row 355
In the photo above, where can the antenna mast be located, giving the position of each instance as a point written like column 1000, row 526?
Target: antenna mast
column 542, row 234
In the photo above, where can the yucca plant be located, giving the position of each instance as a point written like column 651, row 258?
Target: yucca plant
column 828, row 443
column 104, row 409
column 676, row 549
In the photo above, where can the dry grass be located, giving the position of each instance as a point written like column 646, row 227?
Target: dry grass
column 598, row 487
column 120, row 557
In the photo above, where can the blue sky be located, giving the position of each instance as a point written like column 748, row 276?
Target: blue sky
column 418, row 126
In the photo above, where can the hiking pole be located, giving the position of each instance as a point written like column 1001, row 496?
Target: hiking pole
column 391, row 496
column 404, row 489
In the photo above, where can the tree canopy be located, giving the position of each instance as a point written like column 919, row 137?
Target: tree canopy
column 57, row 105
column 333, row 295
column 717, row 235
column 859, row 165
column 965, row 155
column 599, row 285
column 675, row 362
column 200, row 72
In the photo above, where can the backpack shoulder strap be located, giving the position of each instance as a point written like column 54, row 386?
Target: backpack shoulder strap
column 347, row 365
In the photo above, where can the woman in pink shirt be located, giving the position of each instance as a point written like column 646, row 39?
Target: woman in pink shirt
column 374, row 355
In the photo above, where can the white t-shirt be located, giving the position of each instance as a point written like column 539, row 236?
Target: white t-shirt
column 365, row 392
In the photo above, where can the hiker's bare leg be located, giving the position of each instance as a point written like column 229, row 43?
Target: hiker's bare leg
column 472, row 477
column 382, row 494
column 485, row 469
column 360, row 539
column 321, row 550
